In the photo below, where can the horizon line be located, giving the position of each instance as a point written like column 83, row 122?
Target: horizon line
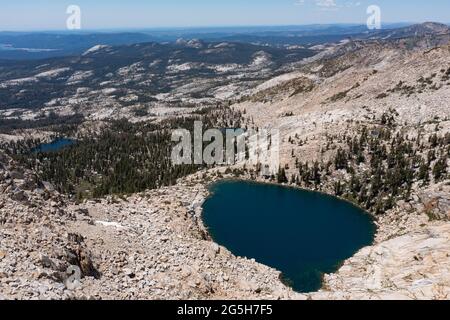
column 186, row 28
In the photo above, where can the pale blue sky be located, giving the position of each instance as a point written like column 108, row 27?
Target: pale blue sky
column 107, row 14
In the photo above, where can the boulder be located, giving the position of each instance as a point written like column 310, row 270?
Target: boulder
column 215, row 248
column 17, row 175
column 48, row 186
column 19, row 196
column 78, row 254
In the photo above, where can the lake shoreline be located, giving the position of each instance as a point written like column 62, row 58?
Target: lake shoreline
column 290, row 186
column 153, row 240
column 387, row 230
column 230, row 179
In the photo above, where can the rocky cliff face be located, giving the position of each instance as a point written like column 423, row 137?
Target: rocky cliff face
column 412, row 266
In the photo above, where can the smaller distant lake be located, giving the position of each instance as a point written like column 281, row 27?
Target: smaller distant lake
column 8, row 47
column 55, row 145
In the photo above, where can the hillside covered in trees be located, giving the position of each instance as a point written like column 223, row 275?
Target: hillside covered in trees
column 122, row 158
column 377, row 166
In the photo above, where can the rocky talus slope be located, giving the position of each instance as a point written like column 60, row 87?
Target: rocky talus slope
column 148, row 246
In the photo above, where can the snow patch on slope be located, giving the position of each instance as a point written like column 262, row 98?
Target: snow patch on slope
column 95, row 49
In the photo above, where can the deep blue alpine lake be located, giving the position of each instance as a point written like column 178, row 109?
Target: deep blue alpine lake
column 54, row 146
column 302, row 234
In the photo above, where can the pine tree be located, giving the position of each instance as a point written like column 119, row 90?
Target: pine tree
column 281, row 176
column 440, row 169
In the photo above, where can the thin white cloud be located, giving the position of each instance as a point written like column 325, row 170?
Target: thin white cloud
column 326, row 3
column 329, row 5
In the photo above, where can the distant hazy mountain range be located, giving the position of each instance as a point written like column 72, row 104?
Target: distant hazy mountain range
column 39, row 45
